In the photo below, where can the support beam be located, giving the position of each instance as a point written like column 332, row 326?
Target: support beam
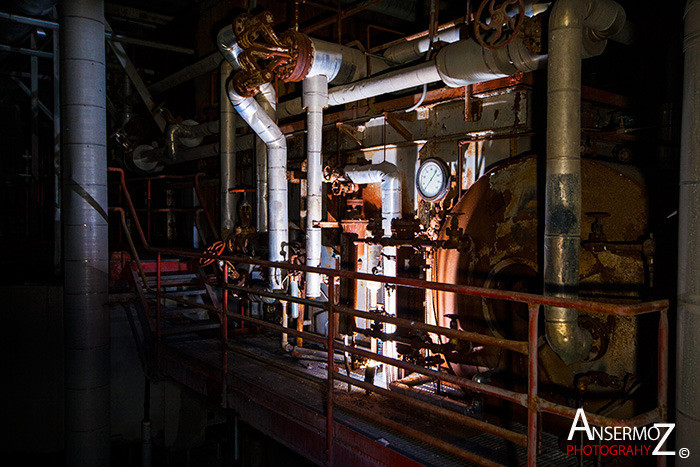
column 135, row 78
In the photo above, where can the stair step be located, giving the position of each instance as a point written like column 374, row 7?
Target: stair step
column 182, row 293
column 188, row 329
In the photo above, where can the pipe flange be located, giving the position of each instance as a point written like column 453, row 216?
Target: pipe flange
column 302, row 52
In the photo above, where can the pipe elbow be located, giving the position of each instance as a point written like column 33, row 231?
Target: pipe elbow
column 171, row 135
column 569, row 341
column 228, row 46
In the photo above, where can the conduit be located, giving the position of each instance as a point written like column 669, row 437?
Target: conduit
column 86, row 318
column 315, row 99
column 387, row 174
column 562, row 231
column 227, row 153
column 688, row 328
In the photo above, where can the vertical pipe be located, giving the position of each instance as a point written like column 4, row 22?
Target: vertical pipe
column 227, row 153
column 261, row 184
column 688, row 327
column 562, row 231
column 86, row 319
column 58, row 237
column 315, row 99
column 266, row 128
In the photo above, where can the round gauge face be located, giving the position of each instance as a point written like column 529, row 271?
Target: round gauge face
column 432, row 180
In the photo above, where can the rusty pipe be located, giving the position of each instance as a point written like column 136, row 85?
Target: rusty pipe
column 562, row 232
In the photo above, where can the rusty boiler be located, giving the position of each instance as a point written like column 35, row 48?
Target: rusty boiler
column 499, row 223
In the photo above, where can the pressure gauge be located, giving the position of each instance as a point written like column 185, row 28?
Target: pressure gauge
column 433, row 179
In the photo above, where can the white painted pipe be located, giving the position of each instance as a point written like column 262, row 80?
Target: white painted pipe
column 315, row 99
column 387, row 174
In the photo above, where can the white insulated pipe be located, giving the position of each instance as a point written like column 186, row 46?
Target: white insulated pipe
column 315, row 99
column 458, row 64
column 268, row 131
column 576, row 29
column 688, row 325
column 388, row 175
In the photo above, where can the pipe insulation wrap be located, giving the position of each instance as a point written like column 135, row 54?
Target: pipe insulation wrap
column 315, row 95
column 415, row 49
column 86, row 267
column 227, row 152
column 388, row 175
column 688, row 327
column 268, row 131
column 562, row 231
column 398, row 80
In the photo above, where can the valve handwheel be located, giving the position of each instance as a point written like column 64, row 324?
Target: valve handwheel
column 215, row 249
column 496, row 26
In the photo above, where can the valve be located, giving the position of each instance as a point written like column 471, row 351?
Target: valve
column 498, row 25
column 266, row 56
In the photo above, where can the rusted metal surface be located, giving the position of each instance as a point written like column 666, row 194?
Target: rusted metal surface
column 419, row 435
column 499, row 216
column 532, row 401
column 266, row 56
column 495, row 28
column 486, row 427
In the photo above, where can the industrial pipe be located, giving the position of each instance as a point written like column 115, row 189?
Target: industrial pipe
column 458, row 64
column 181, row 133
column 86, row 265
column 388, row 175
column 315, row 99
column 268, row 131
column 562, row 230
column 688, row 327
column 227, row 153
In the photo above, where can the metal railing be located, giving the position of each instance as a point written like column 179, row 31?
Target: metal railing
column 530, row 400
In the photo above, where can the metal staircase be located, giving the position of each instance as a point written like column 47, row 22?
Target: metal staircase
column 178, row 278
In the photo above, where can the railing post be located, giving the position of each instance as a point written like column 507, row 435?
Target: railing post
column 331, row 351
column 532, row 373
column 158, row 306
column 224, row 336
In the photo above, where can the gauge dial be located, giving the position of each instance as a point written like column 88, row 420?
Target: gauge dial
column 432, row 180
